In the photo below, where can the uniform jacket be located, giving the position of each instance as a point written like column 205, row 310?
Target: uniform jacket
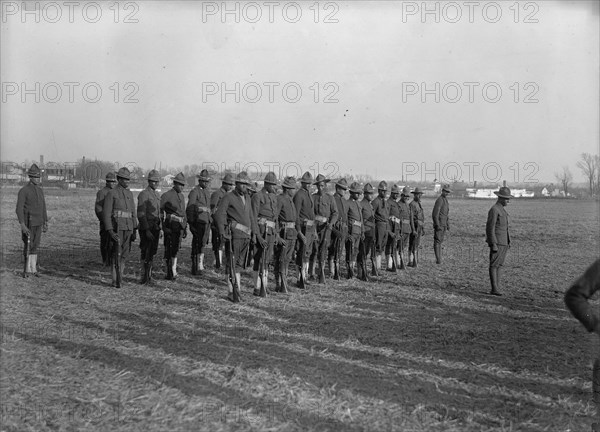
column 368, row 215
column 381, row 208
column 264, row 205
column 354, row 215
column 235, row 208
column 325, row 206
column 342, row 208
column 31, row 205
column 305, row 207
column 580, row 292
column 173, row 203
column 406, row 218
column 286, row 212
column 119, row 199
column 418, row 216
column 440, row 213
column 496, row 228
column 148, row 209
column 216, row 198
column 100, row 196
column 198, row 207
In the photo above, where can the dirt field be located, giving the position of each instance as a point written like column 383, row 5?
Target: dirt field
column 423, row 350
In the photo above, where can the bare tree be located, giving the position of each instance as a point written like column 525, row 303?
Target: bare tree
column 589, row 166
column 565, row 178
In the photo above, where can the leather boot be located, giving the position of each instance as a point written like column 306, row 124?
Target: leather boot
column 284, row 285
column 301, row 280
column 336, row 270
column 194, row 264
column 311, row 270
column 144, row 272
column 169, row 270
column 350, row 274
column 322, row 272
column 401, row 261
column 374, row 268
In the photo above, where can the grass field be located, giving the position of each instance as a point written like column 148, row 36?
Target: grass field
column 423, row 350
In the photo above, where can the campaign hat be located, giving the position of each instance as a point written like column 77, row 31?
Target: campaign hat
column 179, row 178
column 368, row 188
column 242, row 177
column 110, row 176
column 406, row 191
column 355, row 188
column 228, row 179
column 321, row 179
column 124, row 173
column 417, row 191
column 289, row 183
column 504, row 192
column 382, row 185
column 342, row 183
column 306, row 178
column 271, row 178
column 446, row 188
column 153, row 176
column 204, row 175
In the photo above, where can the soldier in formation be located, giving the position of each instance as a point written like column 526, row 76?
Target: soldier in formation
column 326, row 216
column 286, row 216
column 215, row 199
column 366, row 248
column 111, row 181
column 305, row 225
column 381, row 211
column 406, row 226
column 391, row 248
column 149, row 223
column 198, row 217
column 174, row 222
column 340, row 229
column 418, row 218
column 355, row 228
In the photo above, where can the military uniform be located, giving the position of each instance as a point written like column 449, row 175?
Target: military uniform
column 497, row 237
column 174, row 222
column 305, row 224
column 406, row 225
column 215, row 200
column 381, row 210
column 148, row 213
column 198, row 217
column 33, row 218
column 340, row 229
column 355, row 229
column 366, row 247
column 111, row 179
column 394, row 230
column 286, row 216
column 326, row 216
column 418, row 218
column 120, row 220
column 440, row 222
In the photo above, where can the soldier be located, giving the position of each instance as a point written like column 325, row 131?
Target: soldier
column 497, row 237
column 391, row 248
column 418, row 218
column 120, row 220
column 355, row 228
column 251, row 190
column 148, row 213
column 305, row 225
column 264, row 207
column 340, row 229
column 216, row 197
column 111, row 181
column 31, row 212
column 286, row 216
column 326, row 216
column 366, row 246
column 441, row 222
column 406, row 225
column 174, row 220
column 198, row 217
column 236, row 223
column 381, row 209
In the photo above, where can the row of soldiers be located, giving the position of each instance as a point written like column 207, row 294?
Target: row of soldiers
column 244, row 223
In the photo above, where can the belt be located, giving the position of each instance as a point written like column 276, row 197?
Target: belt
column 309, row 222
column 122, row 214
column 204, row 209
column 267, row 222
column 357, row 223
column 241, row 227
column 394, row 219
column 289, row 225
column 406, row 221
column 175, row 218
column 321, row 219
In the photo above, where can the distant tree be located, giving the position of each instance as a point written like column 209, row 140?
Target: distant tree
column 589, row 167
column 565, row 178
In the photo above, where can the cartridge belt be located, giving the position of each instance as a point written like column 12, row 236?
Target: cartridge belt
column 267, row 222
column 175, row 218
column 289, row 225
column 394, row 219
column 321, row 219
column 122, row 214
column 241, row 227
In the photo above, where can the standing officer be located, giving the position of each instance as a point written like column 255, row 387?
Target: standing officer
column 111, row 181
column 326, row 216
column 286, row 216
column 497, row 237
column 216, row 197
column 31, row 212
column 391, row 248
column 120, row 220
column 148, row 213
column 366, row 246
column 305, row 225
column 264, row 207
column 340, row 229
column 172, row 213
column 355, row 228
column 381, row 209
column 418, row 218
column 441, row 223
column 406, row 224
column 198, row 217
column 236, row 223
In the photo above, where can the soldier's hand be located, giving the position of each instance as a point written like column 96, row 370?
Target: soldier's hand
column 149, row 235
column 494, row 248
column 185, row 233
column 280, row 241
column 302, row 237
column 226, row 236
column 45, row 227
column 133, row 235
column 113, row 235
column 261, row 241
column 193, row 231
column 25, row 230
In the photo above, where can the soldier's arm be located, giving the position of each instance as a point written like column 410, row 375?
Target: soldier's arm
column 220, row 215
column 98, row 205
column 255, row 202
column 21, row 206
column 490, row 227
column 333, row 210
column 192, row 206
column 141, row 211
column 435, row 214
column 107, row 211
column 297, row 201
column 577, row 298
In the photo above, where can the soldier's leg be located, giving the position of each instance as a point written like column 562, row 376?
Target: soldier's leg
column 203, row 231
column 194, row 251
column 144, row 256
column 125, row 249
column 217, row 247
column 35, row 238
column 257, row 275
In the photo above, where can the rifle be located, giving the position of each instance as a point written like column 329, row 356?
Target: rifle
column 118, row 255
column 26, row 246
column 394, row 248
column 232, row 275
column 402, row 267
column 363, row 253
column 262, row 270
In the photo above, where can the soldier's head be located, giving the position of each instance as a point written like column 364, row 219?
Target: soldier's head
column 35, row 174
column 321, row 184
column 123, row 177
column 306, row 181
column 341, row 186
column 405, row 194
column 417, row 194
column 179, row 182
column 111, row 180
column 355, row 191
column 382, row 189
column 395, row 192
column 504, row 196
column 204, row 179
column 228, row 182
column 241, row 183
column 446, row 190
column 289, row 186
column 368, row 192
column 270, row 182
column 153, row 179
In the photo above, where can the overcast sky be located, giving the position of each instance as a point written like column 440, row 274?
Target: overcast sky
column 371, row 61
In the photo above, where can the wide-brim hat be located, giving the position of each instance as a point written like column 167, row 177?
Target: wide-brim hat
column 446, row 188
column 306, row 178
column 405, row 191
column 124, row 173
column 179, row 178
column 153, row 176
column 289, row 183
column 34, row 171
column 204, row 175
column 342, row 183
column 504, row 192
column 110, row 177
column 355, row 188
column 271, row 178
column 395, row 189
column 417, row 191
column 382, row 185
column 228, row 179
column 368, row 188
column 243, row 178
column 321, row 179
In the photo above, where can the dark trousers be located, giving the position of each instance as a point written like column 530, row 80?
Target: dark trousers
column 320, row 247
column 172, row 238
column 124, row 241
column 269, row 235
column 149, row 248
column 200, row 238
column 35, row 237
column 366, row 248
column 338, row 241
column 413, row 243
column 305, row 249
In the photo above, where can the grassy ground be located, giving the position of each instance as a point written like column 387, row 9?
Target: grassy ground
column 423, row 350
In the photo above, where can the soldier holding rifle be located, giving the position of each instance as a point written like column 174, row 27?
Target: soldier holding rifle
column 355, row 228
column 305, row 225
column 198, row 217
column 236, row 224
column 286, row 216
column 148, row 213
column 406, row 225
column 33, row 219
column 111, row 181
column 174, row 222
column 325, row 217
column 340, row 229
column 120, row 219
column 366, row 246
column 391, row 248
column 215, row 199
column 381, row 210
column 418, row 218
